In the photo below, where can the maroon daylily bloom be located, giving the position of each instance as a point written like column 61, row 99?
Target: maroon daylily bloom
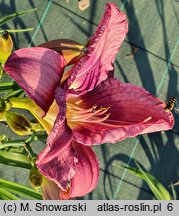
column 93, row 108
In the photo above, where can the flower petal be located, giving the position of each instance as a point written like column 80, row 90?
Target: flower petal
column 72, row 162
column 56, row 162
column 64, row 161
column 51, row 115
column 102, row 48
column 38, row 71
column 86, row 171
column 131, row 111
column 69, row 49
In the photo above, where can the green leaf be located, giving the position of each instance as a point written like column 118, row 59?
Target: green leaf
column 1, row 72
column 174, row 194
column 10, row 144
column 2, row 138
column 159, row 191
column 15, row 159
column 9, row 86
column 20, row 189
column 15, row 93
column 17, row 30
column 7, row 18
column 5, row 195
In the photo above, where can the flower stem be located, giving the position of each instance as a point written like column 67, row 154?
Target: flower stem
column 31, row 106
column 26, row 144
column 28, row 148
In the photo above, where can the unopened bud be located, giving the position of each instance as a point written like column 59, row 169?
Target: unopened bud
column 71, row 50
column 6, row 46
column 2, row 105
column 35, row 178
column 2, row 110
column 18, row 123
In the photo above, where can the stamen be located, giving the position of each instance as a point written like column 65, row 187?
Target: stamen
column 80, row 117
column 77, row 112
column 77, row 108
column 101, row 111
column 94, row 108
column 147, row 119
column 116, row 124
column 96, row 120
column 78, row 102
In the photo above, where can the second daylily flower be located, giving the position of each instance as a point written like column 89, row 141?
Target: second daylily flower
column 91, row 108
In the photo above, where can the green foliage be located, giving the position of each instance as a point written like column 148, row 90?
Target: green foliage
column 15, row 159
column 8, row 187
column 16, row 153
column 157, row 188
column 13, row 16
column 5, row 195
column 18, row 30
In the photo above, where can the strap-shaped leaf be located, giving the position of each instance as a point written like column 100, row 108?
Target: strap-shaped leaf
column 5, row 195
column 15, row 159
column 15, row 93
column 157, row 188
column 19, row 189
column 18, row 30
column 12, row 16
column 8, row 86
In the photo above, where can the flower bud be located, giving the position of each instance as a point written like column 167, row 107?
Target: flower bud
column 6, row 46
column 18, row 123
column 71, row 50
column 2, row 105
column 2, row 110
column 35, row 178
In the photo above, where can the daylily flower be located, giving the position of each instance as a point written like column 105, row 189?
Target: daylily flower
column 90, row 107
